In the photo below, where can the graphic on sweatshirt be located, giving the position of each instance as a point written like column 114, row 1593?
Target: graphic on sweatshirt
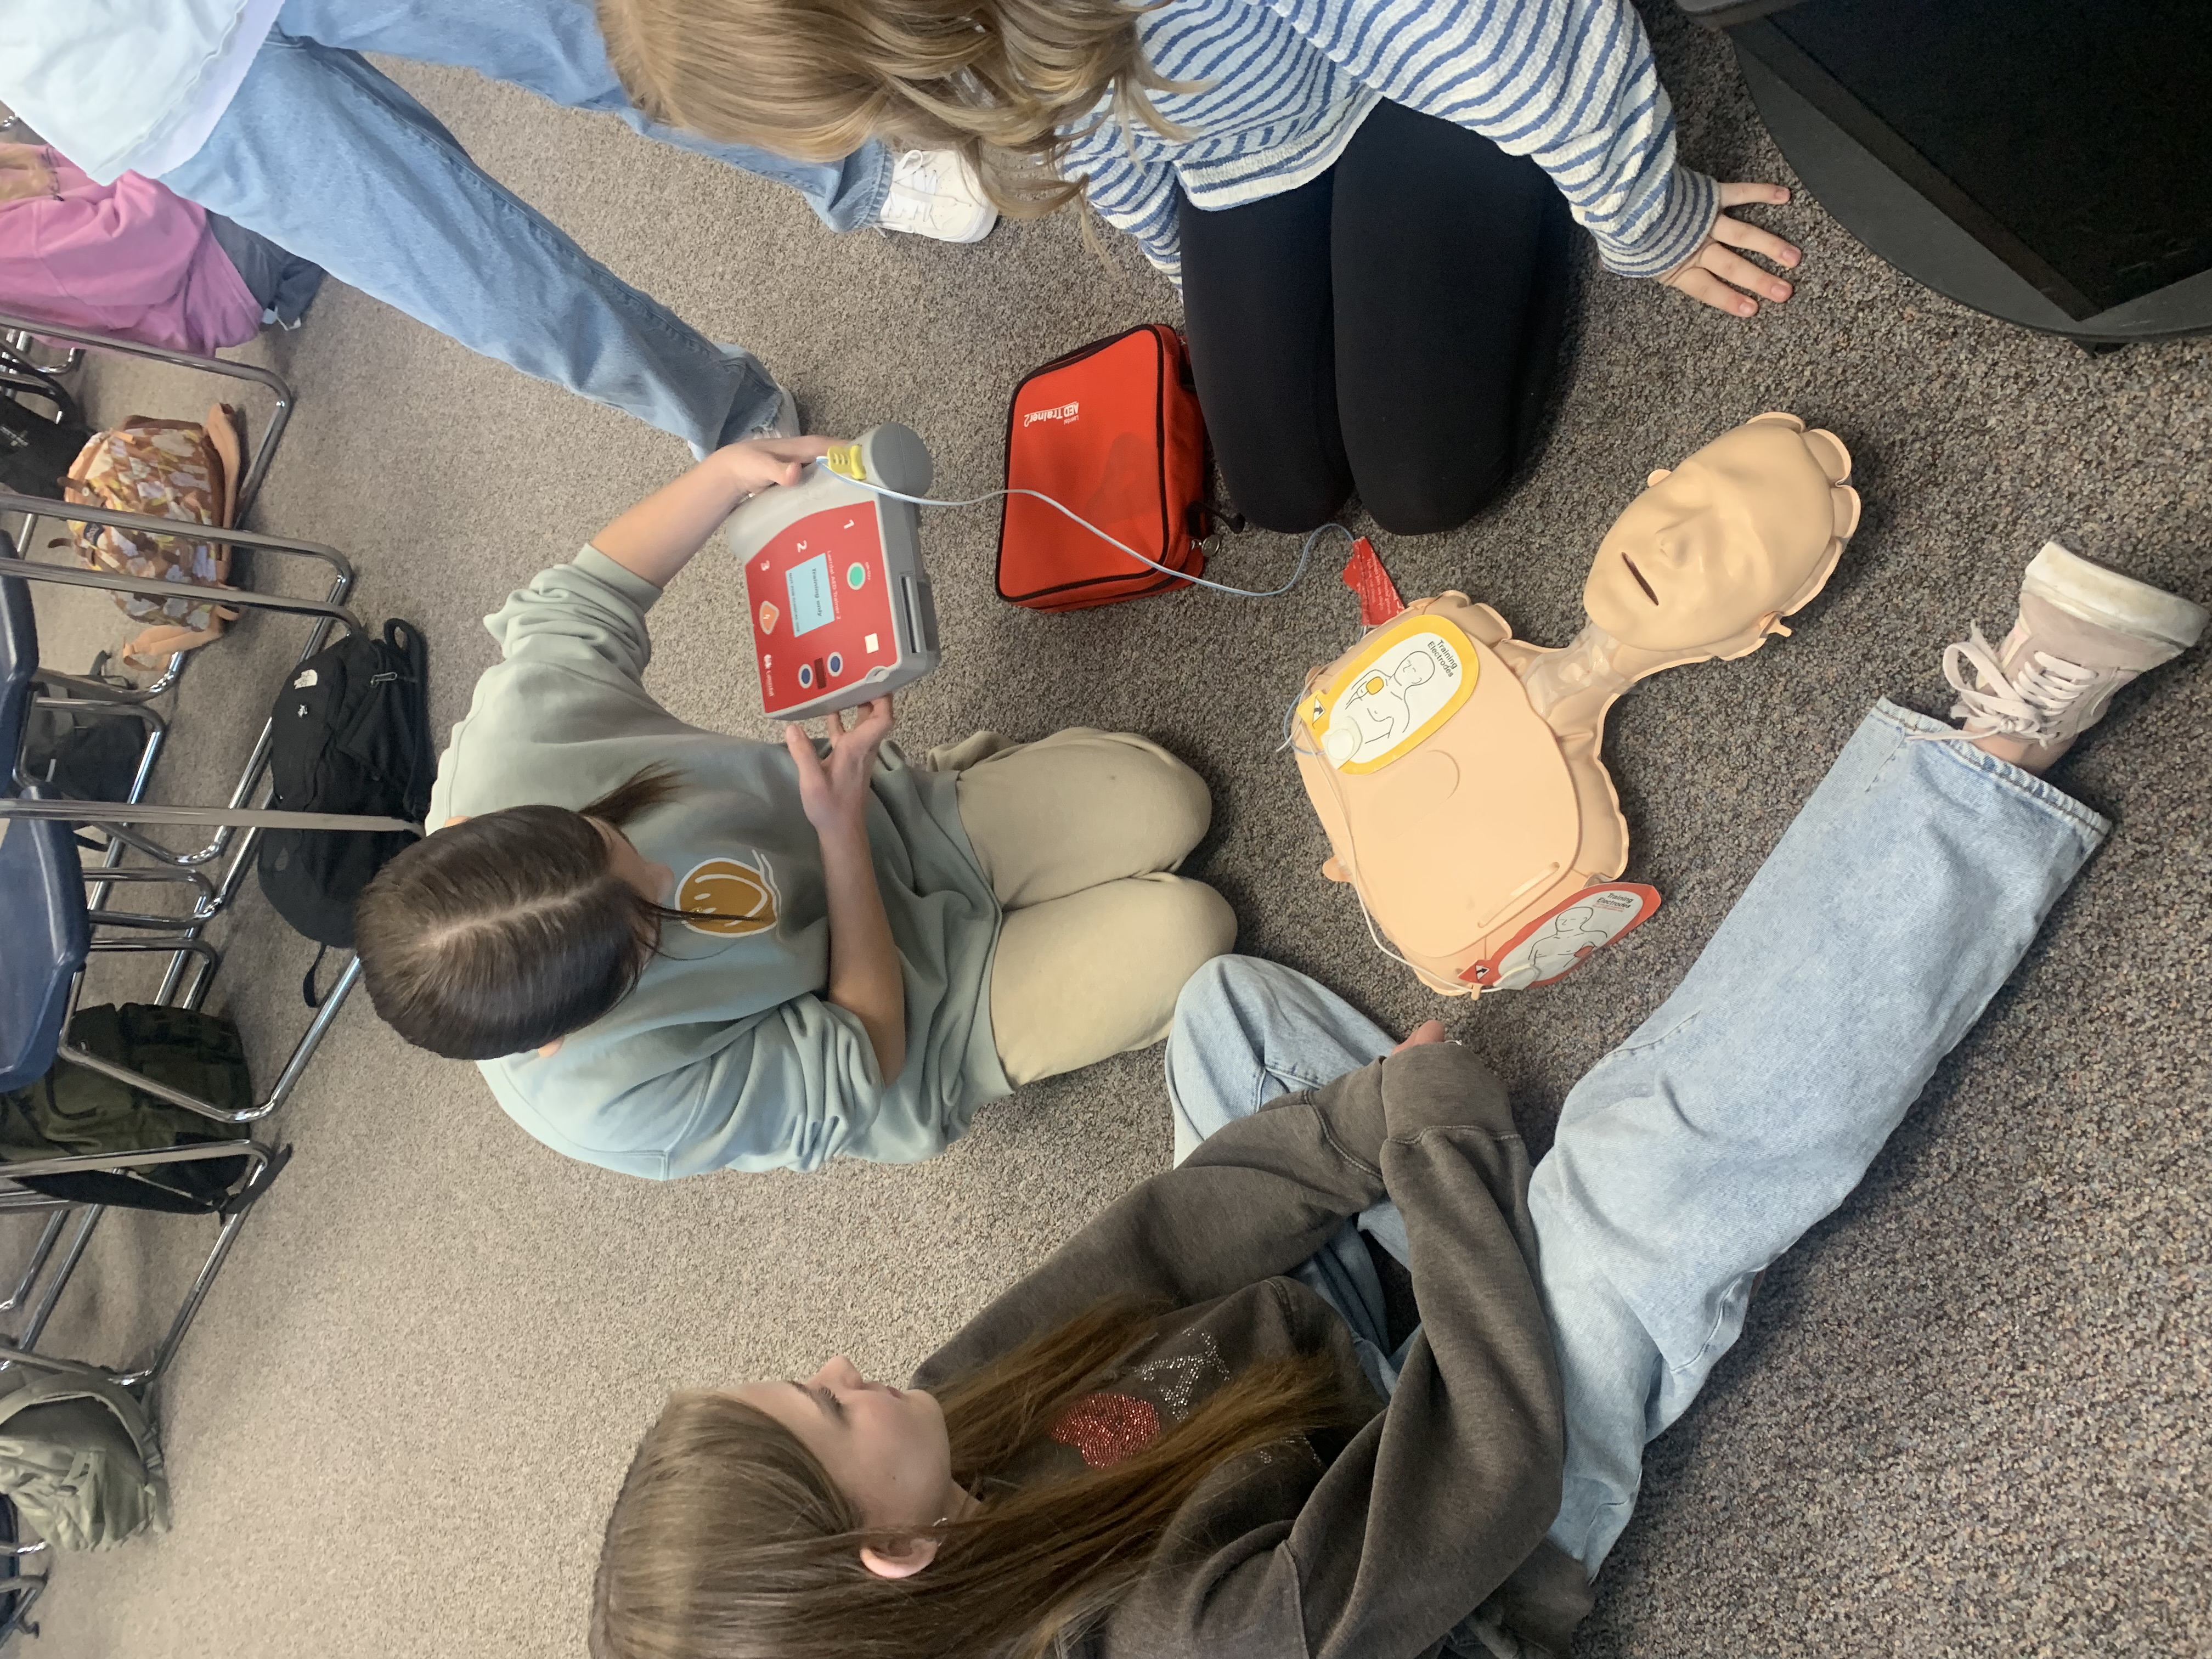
column 741, row 897
column 1107, row 1427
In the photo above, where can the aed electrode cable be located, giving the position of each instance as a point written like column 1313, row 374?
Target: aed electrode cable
column 1305, row 553
column 1306, row 556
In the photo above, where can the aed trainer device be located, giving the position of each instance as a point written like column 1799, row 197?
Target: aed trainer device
column 840, row 610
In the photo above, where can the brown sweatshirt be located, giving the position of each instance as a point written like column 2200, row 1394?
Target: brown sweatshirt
column 1371, row 1547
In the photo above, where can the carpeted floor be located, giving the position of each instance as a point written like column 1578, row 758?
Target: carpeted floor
column 1968, row 1416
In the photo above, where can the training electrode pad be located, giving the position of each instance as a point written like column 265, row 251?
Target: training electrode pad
column 840, row 610
column 1457, row 768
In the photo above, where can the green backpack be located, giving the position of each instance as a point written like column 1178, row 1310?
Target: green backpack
column 74, row 1111
column 79, row 1459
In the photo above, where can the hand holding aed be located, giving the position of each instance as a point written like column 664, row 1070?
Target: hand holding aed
column 834, row 791
column 1706, row 274
column 754, row 466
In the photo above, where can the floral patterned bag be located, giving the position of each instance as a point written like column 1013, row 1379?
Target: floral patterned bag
column 167, row 469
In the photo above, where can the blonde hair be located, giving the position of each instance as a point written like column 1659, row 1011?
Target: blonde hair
column 1005, row 82
column 729, row 1540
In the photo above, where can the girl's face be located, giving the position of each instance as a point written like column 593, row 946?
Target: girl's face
column 884, row 1447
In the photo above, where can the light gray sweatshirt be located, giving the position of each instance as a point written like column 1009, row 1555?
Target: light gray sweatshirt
column 726, row 1055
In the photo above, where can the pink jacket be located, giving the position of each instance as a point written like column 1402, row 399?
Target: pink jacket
column 131, row 259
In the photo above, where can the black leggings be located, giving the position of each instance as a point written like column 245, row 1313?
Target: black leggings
column 1393, row 326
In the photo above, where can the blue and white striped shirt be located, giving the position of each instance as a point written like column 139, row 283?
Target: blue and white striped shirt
column 1284, row 85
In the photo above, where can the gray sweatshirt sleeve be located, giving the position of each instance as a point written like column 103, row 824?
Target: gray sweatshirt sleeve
column 587, row 615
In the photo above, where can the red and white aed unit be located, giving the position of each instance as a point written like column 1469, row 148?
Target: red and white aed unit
column 842, row 611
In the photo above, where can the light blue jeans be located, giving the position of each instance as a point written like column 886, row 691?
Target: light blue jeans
column 327, row 157
column 1737, row 1115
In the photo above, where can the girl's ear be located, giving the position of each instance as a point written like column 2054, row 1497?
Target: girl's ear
column 909, row 1559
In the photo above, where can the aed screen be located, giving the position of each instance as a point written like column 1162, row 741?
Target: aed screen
column 811, row 602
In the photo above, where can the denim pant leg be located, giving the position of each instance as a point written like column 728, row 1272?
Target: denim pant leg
column 554, row 48
column 1751, row 1103
column 1246, row 1031
column 324, row 156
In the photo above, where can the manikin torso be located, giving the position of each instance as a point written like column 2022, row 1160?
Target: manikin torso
column 1457, row 769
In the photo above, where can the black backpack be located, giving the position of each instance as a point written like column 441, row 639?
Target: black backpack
column 36, row 448
column 76, row 1112
column 352, row 735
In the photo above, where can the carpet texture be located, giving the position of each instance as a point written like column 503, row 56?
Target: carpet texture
column 1968, row 1415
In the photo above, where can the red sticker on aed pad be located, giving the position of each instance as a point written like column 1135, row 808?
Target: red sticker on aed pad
column 1365, row 575
column 1562, row 939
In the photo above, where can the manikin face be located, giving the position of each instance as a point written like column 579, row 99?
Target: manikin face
column 1738, row 534
column 884, row 1447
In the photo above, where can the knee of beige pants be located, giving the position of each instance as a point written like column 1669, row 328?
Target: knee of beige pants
column 1080, row 807
column 1097, row 972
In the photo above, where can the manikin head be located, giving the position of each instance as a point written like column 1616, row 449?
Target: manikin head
column 1714, row 553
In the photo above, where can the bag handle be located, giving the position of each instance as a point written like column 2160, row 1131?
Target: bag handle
column 19, row 375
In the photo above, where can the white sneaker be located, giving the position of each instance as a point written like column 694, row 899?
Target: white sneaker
column 935, row 193
column 2083, row 633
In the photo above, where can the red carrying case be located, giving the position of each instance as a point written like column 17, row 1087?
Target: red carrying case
column 1113, row 433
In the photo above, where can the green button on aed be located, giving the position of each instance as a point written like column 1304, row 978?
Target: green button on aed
column 856, row 574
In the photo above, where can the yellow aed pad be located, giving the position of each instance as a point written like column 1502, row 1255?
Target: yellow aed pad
column 1405, row 680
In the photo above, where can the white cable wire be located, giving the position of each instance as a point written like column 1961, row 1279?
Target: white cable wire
column 1305, row 553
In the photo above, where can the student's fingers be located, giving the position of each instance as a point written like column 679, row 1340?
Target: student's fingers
column 771, row 461
column 802, row 754
column 1429, row 1031
column 1735, row 269
column 1744, row 194
column 1703, row 286
column 796, row 449
column 875, row 721
column 1750, row 238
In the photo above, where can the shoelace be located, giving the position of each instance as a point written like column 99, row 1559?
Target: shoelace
column 910, row 174
column 2030, row 704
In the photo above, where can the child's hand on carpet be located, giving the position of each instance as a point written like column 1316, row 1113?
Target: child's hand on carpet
column 1706, row 274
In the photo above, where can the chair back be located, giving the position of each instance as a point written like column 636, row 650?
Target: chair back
column 42, row 920
column 19, row 664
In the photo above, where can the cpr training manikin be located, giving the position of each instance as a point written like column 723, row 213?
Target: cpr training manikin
column 1457, row 768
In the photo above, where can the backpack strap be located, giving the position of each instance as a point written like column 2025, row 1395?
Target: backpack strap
column 308, row 993
column 19, row 374
column 407, row 640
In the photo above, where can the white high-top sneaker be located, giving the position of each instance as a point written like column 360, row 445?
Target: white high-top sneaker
column 935, row 193
column 2083, row 633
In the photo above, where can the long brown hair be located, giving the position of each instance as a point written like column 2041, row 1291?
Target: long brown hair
column 728, row 1540
column 1005, row 82
column 498, row 934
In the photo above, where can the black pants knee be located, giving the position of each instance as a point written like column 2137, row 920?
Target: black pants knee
column 1392, row 326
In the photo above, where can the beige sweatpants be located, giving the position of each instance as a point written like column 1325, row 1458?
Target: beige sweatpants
column 1080, row 833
